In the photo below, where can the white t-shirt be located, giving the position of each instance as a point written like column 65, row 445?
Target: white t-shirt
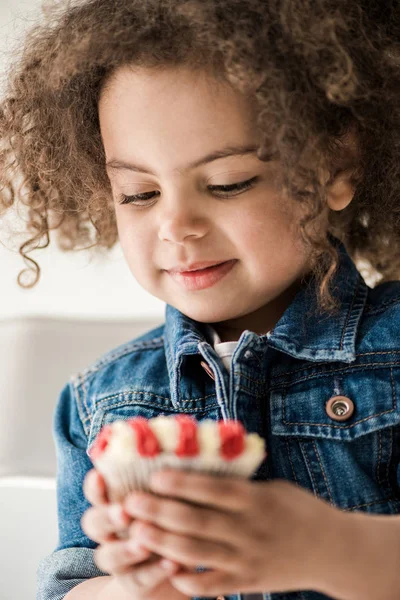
column 225, row 351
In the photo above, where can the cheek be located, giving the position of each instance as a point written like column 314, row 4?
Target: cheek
column 269, row 235
column 265, row 226
column 134, row 241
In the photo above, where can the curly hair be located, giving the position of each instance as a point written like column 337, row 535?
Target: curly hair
column 317, row 70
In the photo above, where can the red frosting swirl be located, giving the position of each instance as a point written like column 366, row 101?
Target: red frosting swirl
column 187, row 443
column 147, row 442
column 101, row 442
column 232, row 435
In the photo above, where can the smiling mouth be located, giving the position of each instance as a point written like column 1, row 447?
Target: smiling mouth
column 203, row 278
column 202, row 269
column 199, row 266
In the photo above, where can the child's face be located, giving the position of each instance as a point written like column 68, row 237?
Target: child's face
column 163, row 121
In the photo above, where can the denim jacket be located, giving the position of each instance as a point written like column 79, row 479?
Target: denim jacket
column 323, row 391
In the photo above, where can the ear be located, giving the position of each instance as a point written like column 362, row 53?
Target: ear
column 340, row 190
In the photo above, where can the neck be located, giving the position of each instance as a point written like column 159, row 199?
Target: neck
column 261, row 320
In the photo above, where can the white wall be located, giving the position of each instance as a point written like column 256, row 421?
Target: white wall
column 77, row 285
column 71, row 284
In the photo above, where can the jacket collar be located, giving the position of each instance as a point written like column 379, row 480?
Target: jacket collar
column 303, row 331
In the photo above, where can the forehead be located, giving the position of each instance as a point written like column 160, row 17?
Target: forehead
column 164, row 102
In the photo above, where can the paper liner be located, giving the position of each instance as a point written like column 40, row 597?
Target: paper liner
column 122, row 478
column 134, row 474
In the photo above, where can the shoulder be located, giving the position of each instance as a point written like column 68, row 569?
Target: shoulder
column 142, row 347
column 382, row 308
column 131, row 373
column 380, row 325
column 123, row 368
column 383, row 298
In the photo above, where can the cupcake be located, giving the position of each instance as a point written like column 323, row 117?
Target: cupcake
column 126, row 452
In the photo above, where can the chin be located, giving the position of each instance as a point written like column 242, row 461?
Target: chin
column 207, row 313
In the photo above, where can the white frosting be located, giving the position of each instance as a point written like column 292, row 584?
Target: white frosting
column 122, row 446
column 166, row 429
column 254, row 450
column 209, row 439
column 122, row 443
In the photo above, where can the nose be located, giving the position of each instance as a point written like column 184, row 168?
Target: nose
column 181, row 218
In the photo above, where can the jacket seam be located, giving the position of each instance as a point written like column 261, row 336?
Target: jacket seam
column 109, row 358
column 342, row 427
column 290, row 459
column 322, row 470
column 370, row 309
column 82, row 405
column 349, row 312
column 189, row 410
column 98, row 404
column 357, row 506
column 344, row 369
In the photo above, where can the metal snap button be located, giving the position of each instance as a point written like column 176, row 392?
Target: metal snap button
column 340, row 408
column 207, row 369
column 248, row 354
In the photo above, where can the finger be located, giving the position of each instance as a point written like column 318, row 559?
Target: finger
column 188, row 551
column 181, row 517
column 228, row 493
column 147, row 576
column 94, row 488
column 115, row 557
column 101, row 522
column 207, row 583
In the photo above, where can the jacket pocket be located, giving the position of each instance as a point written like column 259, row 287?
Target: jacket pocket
column 126, row 405
column 351, row 463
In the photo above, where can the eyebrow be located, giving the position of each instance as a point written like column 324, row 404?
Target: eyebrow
column 223, row 153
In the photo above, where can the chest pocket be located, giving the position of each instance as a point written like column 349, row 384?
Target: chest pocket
column 338, row 434
column 126, row 405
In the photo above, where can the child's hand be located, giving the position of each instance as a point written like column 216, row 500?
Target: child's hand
column 254, row 536
column 139, row 572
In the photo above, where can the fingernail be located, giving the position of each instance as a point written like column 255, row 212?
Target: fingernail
column 116, row 515
column 167, row 565
column 134, row 546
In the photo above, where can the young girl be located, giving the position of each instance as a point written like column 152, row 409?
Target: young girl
column 244, row 153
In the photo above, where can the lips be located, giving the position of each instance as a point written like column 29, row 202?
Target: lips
column 198, row 266
column 203, row 278
column 202, row 268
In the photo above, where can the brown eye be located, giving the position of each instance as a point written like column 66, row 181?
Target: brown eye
column 234, row 187
column 122, row 199
column 221, row 190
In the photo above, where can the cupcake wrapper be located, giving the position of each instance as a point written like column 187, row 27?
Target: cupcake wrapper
column 124, row 470
column 135, row 474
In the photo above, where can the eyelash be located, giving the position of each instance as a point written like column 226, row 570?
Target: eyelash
column 237, row 187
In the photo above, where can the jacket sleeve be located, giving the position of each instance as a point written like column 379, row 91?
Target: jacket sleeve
column 71, row 562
